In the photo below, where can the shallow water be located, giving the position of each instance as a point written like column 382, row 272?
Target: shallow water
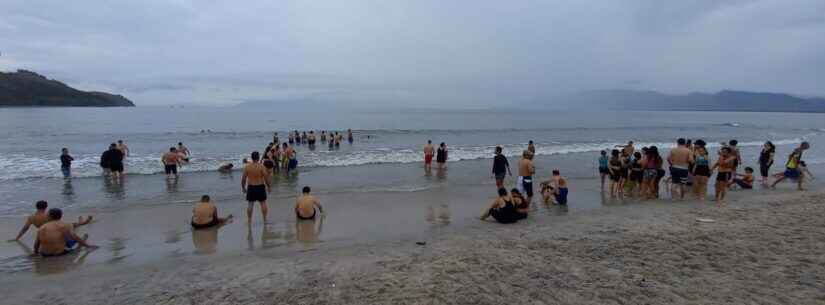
column 373, row 189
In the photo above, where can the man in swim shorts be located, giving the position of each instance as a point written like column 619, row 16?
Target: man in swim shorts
column 680, row 159
column 525, row 172
column 40, row 217
column 170, row 162
column 306, row 204
column 255, row 184
column 57, row 238
column 205, row 214
column 429, row 152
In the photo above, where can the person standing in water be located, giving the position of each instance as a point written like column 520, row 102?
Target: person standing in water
column 766, row 161
column 531, row 147
column 441, row 155
column 350, row 138
column 183, row 151
column 170, row 161
column 428, row 155
column 680, row 159
column 792, row 170
column 115, row 161
column 311, row 139
column 255, row 184
column 725, row 165
column 66, row 163
column 501, row 167
column 525, row 175
column 604, row 169
column 306, row 204
column 275, row 140
column 701, row 170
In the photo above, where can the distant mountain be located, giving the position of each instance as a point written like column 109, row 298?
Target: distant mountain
column 726, row 100
column 28, row 89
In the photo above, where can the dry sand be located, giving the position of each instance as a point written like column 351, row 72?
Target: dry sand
column 765, row 249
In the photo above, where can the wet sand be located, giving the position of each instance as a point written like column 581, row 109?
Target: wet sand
column 763, row 248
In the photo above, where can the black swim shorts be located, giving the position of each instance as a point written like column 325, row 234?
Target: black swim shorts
column 256, row 193
column 679, row 175
column 171, row 169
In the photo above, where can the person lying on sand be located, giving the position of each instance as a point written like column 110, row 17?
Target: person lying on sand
column 56, row 238
column 306, row 204
column 502, row 209
column 205, row 214
column 40, row 217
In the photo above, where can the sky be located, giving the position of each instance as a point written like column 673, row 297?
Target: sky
column 423, row 53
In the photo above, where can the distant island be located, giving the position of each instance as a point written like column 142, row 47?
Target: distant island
column 726, row 100
column 29, row 89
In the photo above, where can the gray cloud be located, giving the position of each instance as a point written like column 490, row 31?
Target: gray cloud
column 460, row 53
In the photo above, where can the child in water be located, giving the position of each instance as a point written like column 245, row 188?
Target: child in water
column 746, row 180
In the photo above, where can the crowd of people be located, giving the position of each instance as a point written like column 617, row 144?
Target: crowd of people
column 639, row 174
column 631, row 173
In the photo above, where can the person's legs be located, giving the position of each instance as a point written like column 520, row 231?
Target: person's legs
column 264, row 210
column 249, row 210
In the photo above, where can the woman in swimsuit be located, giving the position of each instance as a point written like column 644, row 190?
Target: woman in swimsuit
column 726, row 165
column 652, row 163
column 521, row 205
column 615, row 167
column 441, row 155
column 604, row 170
column 701, row 170
column 269, row 162
column 636, row 175
column 502, row 209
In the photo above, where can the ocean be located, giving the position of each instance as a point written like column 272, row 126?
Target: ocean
column 385, row 156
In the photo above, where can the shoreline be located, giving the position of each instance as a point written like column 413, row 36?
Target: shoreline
column 764, row 247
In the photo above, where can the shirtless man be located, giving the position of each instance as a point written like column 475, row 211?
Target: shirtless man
column 306, row 204
column 123, row 148
column 628, row 149
column 205, row 214
column 40, row 217
column 525, row 173
column 170, row 162
column 290, row 160
column 680, row 159
column 255, row 184
column 275, row 139
column 311, row 138
column 429, row 152
column 57, row 238
column 531, row 147
column 350, row 138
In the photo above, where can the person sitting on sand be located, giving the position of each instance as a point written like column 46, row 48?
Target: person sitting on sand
column 560, row 187
column 502, row 209
column 40, row 217
column 56, row 238
column 746, row 180
column 226, row 167
column 306, row 204
column 522, row 206
column 547, row 192
column 205, row 214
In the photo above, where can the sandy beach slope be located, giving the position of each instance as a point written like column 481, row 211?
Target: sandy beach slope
column 765, row 249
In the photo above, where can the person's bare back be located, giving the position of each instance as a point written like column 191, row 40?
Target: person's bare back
column 305, row 206
column 525, row 167
column 680, row 157
column 255, row 174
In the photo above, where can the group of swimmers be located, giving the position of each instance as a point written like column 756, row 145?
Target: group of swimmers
column 638, row 174
column 333, row 138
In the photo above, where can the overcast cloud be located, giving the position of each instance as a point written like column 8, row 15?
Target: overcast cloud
column 424, row 53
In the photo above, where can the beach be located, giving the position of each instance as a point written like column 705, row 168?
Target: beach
column 762, row 248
